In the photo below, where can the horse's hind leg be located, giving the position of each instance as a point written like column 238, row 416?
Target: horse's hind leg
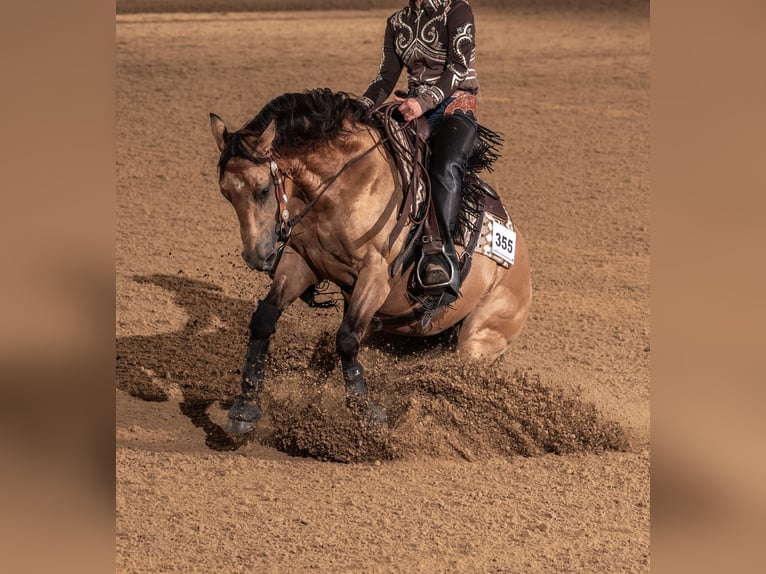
column 497, row 320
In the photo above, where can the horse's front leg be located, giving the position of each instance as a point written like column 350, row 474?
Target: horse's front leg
column 370, row 292
column 292, row 278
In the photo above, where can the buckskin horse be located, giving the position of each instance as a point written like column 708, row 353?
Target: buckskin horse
column 318, row 198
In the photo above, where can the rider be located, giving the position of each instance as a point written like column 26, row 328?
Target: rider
column 434, row 39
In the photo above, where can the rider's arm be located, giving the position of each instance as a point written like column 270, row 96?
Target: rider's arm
column 390, row 69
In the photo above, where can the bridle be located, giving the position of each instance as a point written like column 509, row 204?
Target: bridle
column 279, row 175
column 284, row 226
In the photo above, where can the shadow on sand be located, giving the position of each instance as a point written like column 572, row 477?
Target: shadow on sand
column 199, row 361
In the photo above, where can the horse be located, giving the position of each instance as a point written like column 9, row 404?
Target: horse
column 316, row 155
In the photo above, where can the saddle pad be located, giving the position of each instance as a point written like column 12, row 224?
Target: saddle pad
column 497, row 240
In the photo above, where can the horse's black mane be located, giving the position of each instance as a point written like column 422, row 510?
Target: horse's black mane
column 307, row 119
column 303, row 120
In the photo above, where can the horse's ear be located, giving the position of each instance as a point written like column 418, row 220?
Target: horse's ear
column 266, row 139
column 220, row 133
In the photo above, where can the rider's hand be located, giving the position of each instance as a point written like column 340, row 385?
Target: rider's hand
column 410, row 108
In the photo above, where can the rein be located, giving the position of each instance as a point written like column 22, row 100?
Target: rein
column 277, row 176
column 285, row 223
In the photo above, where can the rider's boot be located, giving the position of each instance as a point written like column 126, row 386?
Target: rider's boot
column 438, row 270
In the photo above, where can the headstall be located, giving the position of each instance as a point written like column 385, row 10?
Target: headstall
column 284, row 226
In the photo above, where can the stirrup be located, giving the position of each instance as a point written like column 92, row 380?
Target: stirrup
column 452, row 284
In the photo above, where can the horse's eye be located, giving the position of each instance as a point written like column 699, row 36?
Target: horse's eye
column 261, row 194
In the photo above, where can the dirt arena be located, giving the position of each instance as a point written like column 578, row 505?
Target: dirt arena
column 537, row 464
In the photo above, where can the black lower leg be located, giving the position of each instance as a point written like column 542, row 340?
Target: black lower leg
column 246, row 411
column 347, row 345
column 262, row 327
column 252, row 371
column 353, row 375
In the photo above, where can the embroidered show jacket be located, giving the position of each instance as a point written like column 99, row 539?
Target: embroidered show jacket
column 436, row 44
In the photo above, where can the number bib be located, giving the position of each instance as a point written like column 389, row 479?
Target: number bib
column 503, row 242
column 497, row 240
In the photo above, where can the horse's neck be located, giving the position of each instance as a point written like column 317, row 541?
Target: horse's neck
column 338, row 168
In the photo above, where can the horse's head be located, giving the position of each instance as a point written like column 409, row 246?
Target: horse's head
column 246, row 182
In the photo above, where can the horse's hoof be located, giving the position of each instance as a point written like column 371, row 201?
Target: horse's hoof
column 239, row 427
column 243, row 415
column 376, row 417
column 368, row 412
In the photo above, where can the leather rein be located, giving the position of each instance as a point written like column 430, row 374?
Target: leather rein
column 285, row 223
column 279, row 175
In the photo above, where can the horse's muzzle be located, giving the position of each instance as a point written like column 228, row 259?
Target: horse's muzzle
column 261, row 264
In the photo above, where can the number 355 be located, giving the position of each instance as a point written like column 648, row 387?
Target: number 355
column 503, row 242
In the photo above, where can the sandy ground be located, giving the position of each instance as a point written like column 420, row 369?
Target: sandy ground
column 539, row 464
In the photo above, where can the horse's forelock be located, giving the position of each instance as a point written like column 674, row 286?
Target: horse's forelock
column 235, row 146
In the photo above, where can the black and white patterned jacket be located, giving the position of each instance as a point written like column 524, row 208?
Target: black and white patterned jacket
column 436, row 44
